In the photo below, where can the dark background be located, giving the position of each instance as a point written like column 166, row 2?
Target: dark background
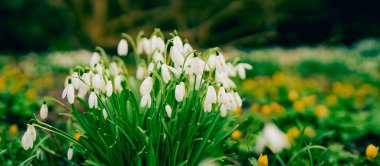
column 48, row 25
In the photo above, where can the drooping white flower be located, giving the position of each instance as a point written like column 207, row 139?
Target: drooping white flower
column 241, row 67
column 230, row 69
column 117, row 82
column 168, row 110
column 187, row 48
column 176, row 56
column 165, row 73
column 29, row 137
column 141, row 45
column 44, row 110
column 75, row 80
column 69, row 92
column 109, row 88
column 146, row 86
column 210, row 98
column 180, row 91
column 177, row 43
column 238, row 100
column 158, row 57
column 272, row 137
column 105, row 114
column 150, row 68
column 97, row 82
column 114, row 68
column 122, row 47
column 140, row 73
column 95, row 58
column 70, row 153
column 220, row 64
column 223, row 110
column 93, row 100
column 157, row 43
column 146, row 101
column 222, row 95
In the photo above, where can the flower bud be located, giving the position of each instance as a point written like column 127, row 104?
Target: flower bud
column 122, row 47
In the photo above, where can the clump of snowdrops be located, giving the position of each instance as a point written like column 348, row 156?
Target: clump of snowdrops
column 178, row 115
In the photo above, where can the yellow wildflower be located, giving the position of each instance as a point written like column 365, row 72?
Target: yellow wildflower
column 31, row 93
column 77, row 136
column 248, row 84
column 321, row 111
column 371, row 151
column 299, row 106
column 309, row 131
column 238, row 110
column 266, row 110
column 263, row 160
column 293, row 95
column 292, row 134
column 236, row 134
column 13, row 129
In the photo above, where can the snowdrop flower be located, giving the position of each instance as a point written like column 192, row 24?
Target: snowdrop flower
column 146, row 101
column 241, row 67
column 176, row 72
column 168, row 110
column 141, row 45
column 210, row 98
column 230, row 69
column 109, row 89
column 105, row 114
column 29, row 137
column 165, row 73
column 176, row 56
column 115, row 69
column 122, row 47
column 222, row 95
column 92, row 100
column 177, row 43
column 272, row 137
column 194, row 66
column 157, row 43
column 97, row 82
column 238, row 100
column 187, row 48
column 146, row 86
column 44, row 110
column 158, row 57
column 95, row 58
column 117, row 82
column 75, row 80
column 150, row 68
column 140, row 73
column 69, row 92
column 70, row 153
column 180, row 91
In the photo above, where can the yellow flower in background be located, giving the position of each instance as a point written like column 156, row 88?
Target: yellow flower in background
column 279, row 78
column 238, row 110
column 248, row 84
column 77, row 136
column 263, row 160
column 293, row 95
column 321, row 111
column 371, row 151
column 310, row 100
column 331, row 100
column 293, row 133
column 2, row 83
column 265, row 109
column 309, row 132
column 13, row 129
column 299, row 106
column 277, row 108
column 236, row 134
column 31, row 93
column 255, row 107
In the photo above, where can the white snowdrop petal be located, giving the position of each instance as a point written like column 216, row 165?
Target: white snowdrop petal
column 168, row 110
column 122, row 47
column 44, row 111
column 70, row 153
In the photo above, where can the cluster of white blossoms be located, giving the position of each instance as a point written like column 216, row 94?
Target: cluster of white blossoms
column 173, row 62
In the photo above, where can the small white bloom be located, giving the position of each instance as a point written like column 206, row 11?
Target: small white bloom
column 157, row 44
column 95, row 58
column 210, row 99
column 222, row 95
column 105, row 114
column 150, row 68
column 175, row 71
column 140, row 73
column 187, row 48
column 141, row 46
column 176, row 56
column 97, row 82
column 272, row 137
column 146, row 86
column 165, row 73
column 29, row 137
column 158, row 57
column 177, row 43
column 223, row 111
column 168, row 110
column 70, row 153
column 239, row 103
column 109, row 88
column 69, row 92
column 117, row 81
column 75, row 80
column 44, row 111
column 180, row 91
column 122, row 47
column 146, row 101
column 241, row 67
column 93, row 100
